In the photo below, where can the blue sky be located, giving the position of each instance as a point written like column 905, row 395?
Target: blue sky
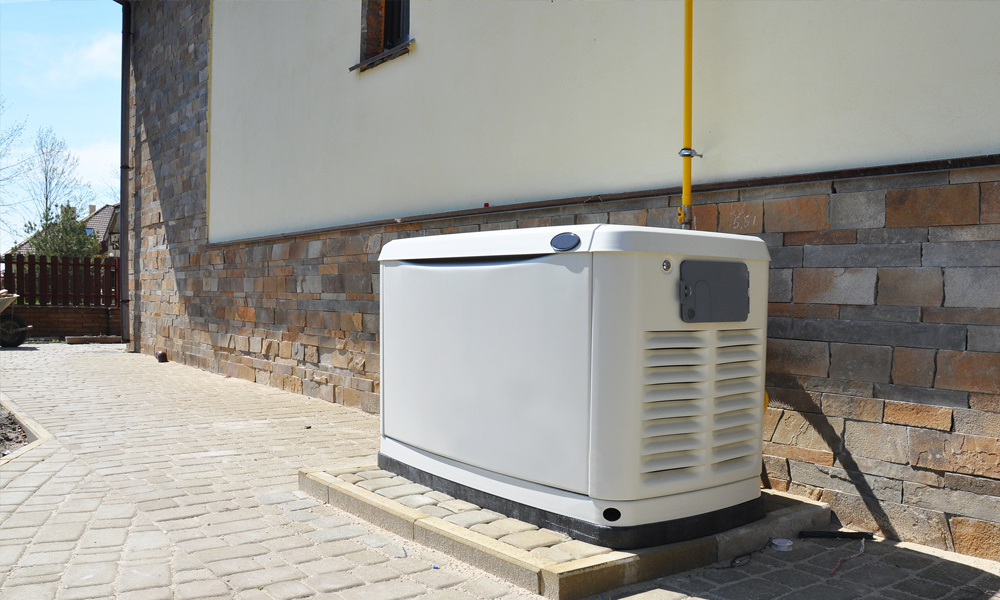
column 60, row 67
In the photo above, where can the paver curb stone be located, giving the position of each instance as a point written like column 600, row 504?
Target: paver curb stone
column 37, row 435
column 575, row 578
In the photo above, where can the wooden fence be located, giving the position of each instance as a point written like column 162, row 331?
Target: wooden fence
column 61, row 281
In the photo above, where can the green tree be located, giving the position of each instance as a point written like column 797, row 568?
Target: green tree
column 65, row 236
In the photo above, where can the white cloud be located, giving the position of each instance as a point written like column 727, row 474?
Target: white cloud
column 44, row 66
column 99, row 59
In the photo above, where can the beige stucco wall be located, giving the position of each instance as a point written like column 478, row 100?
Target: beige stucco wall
column 508, row 102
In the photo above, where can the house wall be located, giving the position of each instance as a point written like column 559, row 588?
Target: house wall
column 884, row 334
column 513, row 102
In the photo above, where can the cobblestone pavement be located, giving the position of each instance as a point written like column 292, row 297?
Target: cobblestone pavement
column 164, row 481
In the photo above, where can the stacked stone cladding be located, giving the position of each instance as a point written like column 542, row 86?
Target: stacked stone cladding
column 884, row 328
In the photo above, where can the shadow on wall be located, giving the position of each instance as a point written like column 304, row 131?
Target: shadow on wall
column 809, row 453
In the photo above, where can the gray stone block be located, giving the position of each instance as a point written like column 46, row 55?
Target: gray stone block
column 955, row 502
column 835, row 286
column 916, row 395
column 891, row 182
column 791, row 190
column 900, row 314
column 861, row 362
column 984, row 338
column 961, row 254
column 773, row 240
column 964, row 233
column 911, row 335
column 976, row 485
column 901, row 235
column 779, row 287
column 786, row 256
column 975, row 287
column 875, row 440
column 976, row 422
column 862, row 255
column 852, row 482
column 859, row 210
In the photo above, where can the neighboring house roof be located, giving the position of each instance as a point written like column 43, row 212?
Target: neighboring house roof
column 102, row 221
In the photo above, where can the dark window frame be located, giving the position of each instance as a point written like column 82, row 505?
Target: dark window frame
column 385, row 32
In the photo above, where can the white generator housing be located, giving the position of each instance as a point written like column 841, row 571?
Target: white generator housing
column 603, row 375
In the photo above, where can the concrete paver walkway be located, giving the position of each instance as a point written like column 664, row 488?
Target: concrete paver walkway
column 164, row 481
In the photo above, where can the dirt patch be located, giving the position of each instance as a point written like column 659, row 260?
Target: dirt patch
column 12, row 435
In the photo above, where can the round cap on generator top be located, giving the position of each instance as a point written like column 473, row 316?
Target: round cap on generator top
column 565, row 242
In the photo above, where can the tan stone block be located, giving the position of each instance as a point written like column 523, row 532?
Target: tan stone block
column 987, row 402
column 776, row 467
column 705, row 217
column 798, row 357
column 955, row 452
column 911, row 286
column 989, row 208
column 366, row 401
column 974, row 174
column 351, row 321
column 918, row 415
column 771, row 418
column 968, row 371
column 976, row 538
column 809, row 431
column 806, row 213
column 913, row 366
column 921, row 207
column 976, row 422
column 628, row 217
column 852, row 407
column 795, row 400
column 741, row 217
column 873, row 440
column 819, row 457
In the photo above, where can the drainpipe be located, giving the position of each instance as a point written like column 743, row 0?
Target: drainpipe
column 123, row 211
column 686, row 153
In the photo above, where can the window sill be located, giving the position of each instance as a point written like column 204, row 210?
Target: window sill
column 389, row 54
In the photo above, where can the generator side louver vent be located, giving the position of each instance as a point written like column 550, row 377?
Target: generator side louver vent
column 700, row 401
column 674, row 412
column 739, row 361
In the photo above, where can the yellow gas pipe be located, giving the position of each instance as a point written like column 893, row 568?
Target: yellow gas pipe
column 684, row 211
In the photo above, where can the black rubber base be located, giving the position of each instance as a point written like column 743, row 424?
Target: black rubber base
column 619, row 538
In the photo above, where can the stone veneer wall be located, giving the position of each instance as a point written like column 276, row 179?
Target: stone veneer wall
column 884, row 333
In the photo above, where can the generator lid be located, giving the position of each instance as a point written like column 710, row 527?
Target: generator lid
column 537, row 241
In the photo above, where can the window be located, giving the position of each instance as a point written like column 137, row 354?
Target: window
column 385, row 31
